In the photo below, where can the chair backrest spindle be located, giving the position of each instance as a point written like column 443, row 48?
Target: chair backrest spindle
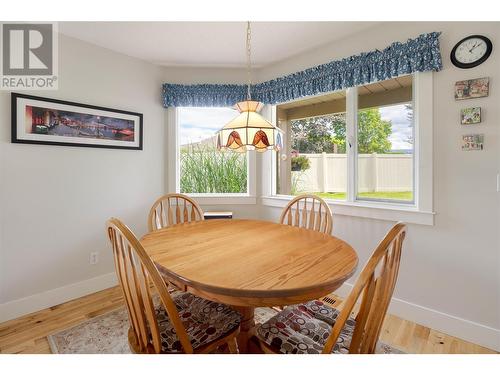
column 173, row 209
column 313, row 213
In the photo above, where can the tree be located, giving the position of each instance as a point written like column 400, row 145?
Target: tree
column 409, row 116
column 339, row 128
column 373, row 132
column 328, row 133
column 312, row 135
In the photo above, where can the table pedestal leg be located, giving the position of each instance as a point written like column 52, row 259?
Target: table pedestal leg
column 247, row 327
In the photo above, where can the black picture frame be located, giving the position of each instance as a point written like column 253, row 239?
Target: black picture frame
column 18, row 138
column 458, row 64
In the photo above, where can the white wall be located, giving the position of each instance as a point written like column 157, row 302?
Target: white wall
column 191, row 75
column 452, row 267
column 54, row 200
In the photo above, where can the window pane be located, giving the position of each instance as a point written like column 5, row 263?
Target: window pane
column 314, row 156
column 385, row 141
column 204, row 169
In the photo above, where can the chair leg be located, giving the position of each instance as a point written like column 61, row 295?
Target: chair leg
column 232, row 344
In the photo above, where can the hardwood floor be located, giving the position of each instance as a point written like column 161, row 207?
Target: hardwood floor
column 28, row 334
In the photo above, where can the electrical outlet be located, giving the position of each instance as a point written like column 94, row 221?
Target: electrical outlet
column 94, row 257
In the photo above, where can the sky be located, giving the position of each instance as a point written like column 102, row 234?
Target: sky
column 401, row 126
column 197, row 124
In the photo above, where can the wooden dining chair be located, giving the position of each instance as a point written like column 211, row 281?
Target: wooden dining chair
column 308, row 211
column 173, row 209
column 315, row 327
column 182, row 323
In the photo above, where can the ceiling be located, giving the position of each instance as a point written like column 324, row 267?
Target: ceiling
column 377, row 87
column 377, row 94
column 210, row 44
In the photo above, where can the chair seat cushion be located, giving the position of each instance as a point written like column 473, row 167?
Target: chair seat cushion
column 304, row 329
column 205, row 321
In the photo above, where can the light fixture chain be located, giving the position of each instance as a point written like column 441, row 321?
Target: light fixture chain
column 249, row 61
column 249, row 130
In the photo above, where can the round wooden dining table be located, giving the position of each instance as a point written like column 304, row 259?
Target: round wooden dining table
column 250, row 263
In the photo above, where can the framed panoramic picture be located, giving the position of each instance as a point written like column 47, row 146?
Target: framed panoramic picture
column 469, row 116
column 472, row 142
column 472, row 88
column 47, row 121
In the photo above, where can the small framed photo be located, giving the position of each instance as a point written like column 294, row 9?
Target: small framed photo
column 469, row 116
column 472, row 88
column 472, row 142
column 38, row 120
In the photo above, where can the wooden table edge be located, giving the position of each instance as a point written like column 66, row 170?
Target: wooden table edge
column 328, row 286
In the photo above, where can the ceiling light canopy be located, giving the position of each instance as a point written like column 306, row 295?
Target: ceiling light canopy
column 249, row 130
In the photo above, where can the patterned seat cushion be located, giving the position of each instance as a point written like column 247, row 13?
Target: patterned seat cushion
column 205, row 321
column 304, row 329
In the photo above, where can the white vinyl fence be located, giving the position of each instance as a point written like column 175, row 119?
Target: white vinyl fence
column 376, row 172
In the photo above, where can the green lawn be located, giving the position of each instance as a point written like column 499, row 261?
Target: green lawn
column 396, row 195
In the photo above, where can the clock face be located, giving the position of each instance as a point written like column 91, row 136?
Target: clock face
column 471, row 51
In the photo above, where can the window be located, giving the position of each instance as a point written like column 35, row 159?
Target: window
column 202, row 168
column 361, row 154
column 385, row 141
column 316, row 160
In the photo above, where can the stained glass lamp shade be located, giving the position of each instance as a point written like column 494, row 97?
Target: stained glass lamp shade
column 249, row 131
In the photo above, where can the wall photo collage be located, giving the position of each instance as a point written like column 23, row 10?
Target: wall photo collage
column 470, row 116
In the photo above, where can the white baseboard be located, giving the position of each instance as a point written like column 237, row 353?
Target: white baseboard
column 37, row 302
column 476, row 333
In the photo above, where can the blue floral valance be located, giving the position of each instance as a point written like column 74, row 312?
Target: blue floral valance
column 416, row 55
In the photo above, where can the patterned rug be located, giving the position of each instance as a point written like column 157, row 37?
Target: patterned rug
column 107, row 334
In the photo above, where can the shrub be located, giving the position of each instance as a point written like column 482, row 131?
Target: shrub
column 300, row 163
column 204, row 169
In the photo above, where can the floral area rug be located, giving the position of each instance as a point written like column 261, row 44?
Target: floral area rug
column 107, row 334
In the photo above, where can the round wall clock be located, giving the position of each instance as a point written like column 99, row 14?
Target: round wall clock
column 471, row 51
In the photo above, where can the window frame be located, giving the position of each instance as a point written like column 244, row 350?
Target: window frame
column 174, row 166
column 420, row 211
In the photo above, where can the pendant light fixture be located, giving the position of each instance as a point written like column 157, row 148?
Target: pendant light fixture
column 249, row 130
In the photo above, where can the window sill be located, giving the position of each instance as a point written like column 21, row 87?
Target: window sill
column 372, row 210
column 215, row 199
